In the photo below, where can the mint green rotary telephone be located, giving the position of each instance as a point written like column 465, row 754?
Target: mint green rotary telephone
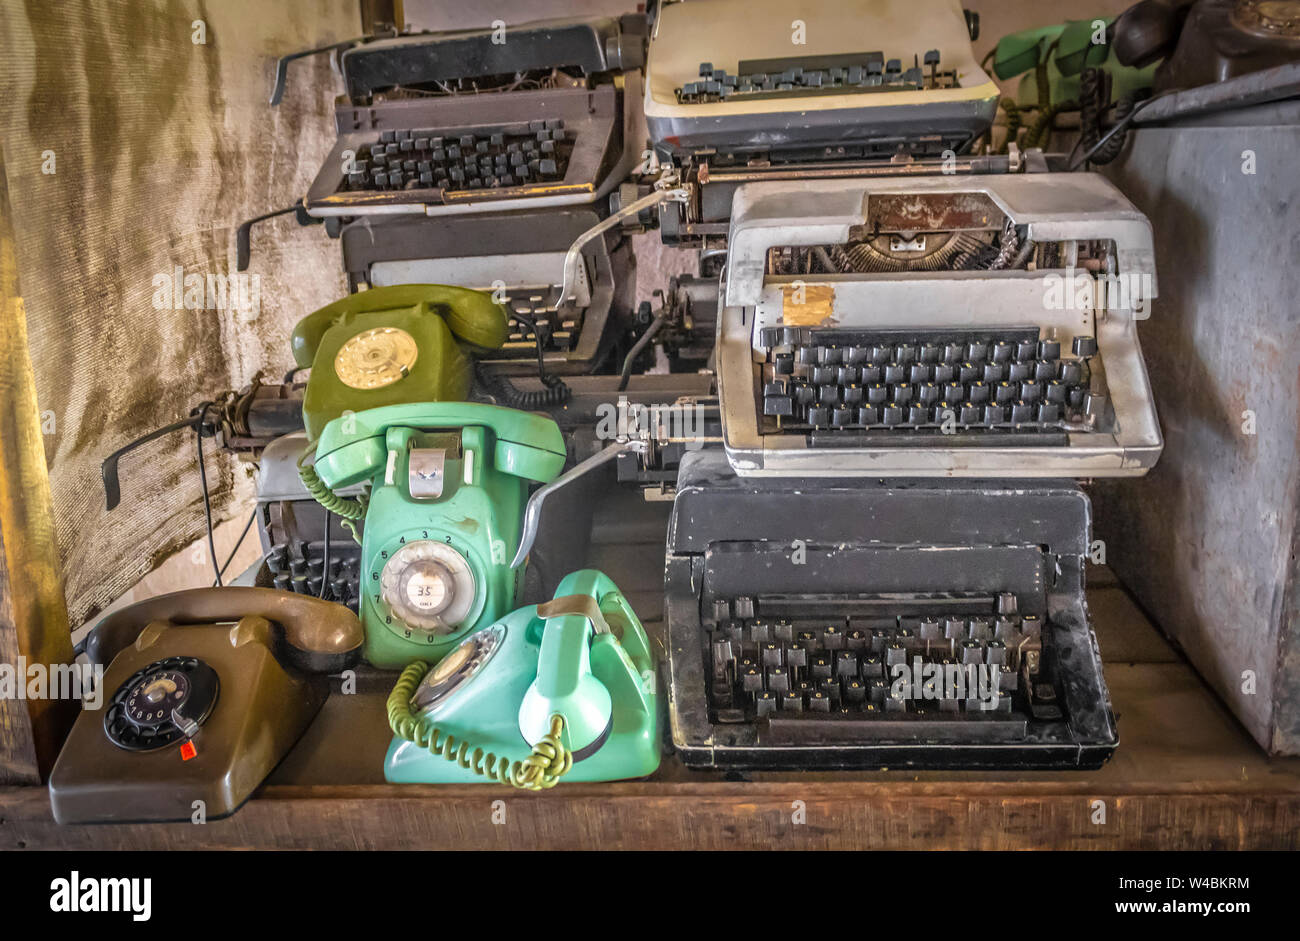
column 443, row 518
column 563, row 689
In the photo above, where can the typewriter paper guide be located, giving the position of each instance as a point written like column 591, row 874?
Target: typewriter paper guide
column 728, row 32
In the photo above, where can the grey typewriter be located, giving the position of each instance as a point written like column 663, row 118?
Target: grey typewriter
column 446, row 123
column 463, row 159
column 937, row 326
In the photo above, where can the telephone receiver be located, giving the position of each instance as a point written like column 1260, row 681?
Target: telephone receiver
column 392, row 345
column 314, row 636
column 565, row 689
column 448, row 486
column 194, row 711
column 354, row 448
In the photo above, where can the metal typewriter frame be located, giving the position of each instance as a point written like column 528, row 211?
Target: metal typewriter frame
column 398, row 250
column 1054, row 207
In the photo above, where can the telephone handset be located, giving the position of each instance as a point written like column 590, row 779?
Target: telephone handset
column 403, row 343
column 194, row 707
column 565, row 689
column 448, row 485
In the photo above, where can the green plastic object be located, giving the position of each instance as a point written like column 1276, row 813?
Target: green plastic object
column 515, row 675
column 435, row 563
column 388, row 345
column 1069, row 49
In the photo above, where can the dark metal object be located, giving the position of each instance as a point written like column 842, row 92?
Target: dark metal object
column 589, row 46
column 1275, row 84
column 246, row 421
column 244, row 234
column 282, row 64
column 900, row 539
column 1208, row 541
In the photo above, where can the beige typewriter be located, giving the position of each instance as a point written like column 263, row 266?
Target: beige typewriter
column 812, row 79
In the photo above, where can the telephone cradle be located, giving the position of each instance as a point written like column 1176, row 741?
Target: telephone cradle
column 196, row 711
column 562, row 690
column 443, row 519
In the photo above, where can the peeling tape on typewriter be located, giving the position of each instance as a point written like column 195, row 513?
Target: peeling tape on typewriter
column 162, row 146
column 808, row 305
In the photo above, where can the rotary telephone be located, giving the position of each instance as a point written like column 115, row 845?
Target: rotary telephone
column 443, row 517
column 562, row 689
column 197, row 707
column 388, row 345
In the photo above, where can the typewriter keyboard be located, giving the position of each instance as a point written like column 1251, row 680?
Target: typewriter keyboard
column 301, row 569
column 828, row 380
column 841, row 74
column 414, row 158
column 874, row 667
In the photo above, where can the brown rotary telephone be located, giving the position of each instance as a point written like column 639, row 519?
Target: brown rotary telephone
column 206, row 690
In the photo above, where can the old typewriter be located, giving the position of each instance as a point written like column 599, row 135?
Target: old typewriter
column 439, row 123
column 742, row 78
column 739, row 92
column 843, row 622
column 478, row 158
column 937, row 326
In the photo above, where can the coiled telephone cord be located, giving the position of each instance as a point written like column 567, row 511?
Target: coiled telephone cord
column 349, row 510
column 542, row 769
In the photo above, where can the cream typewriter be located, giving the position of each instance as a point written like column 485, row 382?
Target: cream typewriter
column 810, row 79
column 981, row 326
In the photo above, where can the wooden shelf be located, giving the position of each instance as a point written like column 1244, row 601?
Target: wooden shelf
column 1186, row 776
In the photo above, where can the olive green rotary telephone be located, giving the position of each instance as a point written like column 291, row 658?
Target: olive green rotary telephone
column 390, row 345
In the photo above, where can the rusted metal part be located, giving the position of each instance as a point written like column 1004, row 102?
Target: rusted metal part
column 932, row 212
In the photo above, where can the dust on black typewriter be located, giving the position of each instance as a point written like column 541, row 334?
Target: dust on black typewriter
column 986, row 665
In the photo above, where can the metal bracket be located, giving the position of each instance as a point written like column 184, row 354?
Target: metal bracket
column 533, row 512
column 667, row 189
column 282, row 64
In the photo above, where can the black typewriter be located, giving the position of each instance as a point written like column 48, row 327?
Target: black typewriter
column 870, row 623
column 462, row 159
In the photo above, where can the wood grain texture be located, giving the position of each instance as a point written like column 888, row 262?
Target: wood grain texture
column 665, row 816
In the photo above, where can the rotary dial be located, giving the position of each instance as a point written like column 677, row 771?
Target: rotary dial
column 428, row 586
column 376, row 358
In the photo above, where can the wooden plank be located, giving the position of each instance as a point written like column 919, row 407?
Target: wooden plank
column 843, row 815
column 33, row 616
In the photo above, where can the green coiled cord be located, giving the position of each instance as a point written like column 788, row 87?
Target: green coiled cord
column 1042, row 127
column 347, row 509
column 1013, row 122
column 542, row 769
